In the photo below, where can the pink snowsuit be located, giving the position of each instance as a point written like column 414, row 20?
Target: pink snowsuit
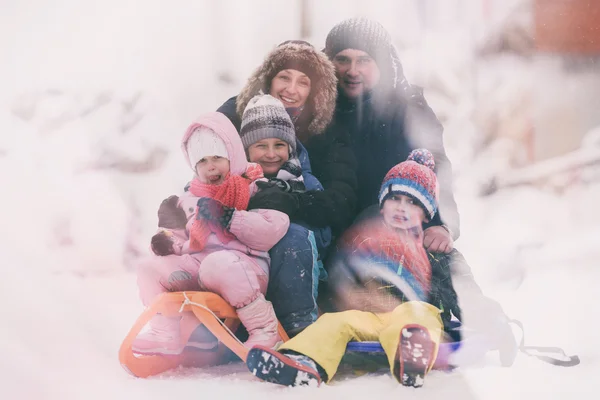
column 238, row 271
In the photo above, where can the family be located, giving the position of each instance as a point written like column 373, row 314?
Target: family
column 323, row 177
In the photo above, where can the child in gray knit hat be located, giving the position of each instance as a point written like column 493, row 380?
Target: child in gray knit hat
column 269, row 139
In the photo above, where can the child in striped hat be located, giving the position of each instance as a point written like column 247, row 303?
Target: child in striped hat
column 269, row 139
column 381, row 254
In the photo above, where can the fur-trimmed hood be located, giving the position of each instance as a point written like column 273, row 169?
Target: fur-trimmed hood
column 320, row 105
column 222, row 126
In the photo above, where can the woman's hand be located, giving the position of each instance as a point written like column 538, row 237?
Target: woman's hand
column 271, row 197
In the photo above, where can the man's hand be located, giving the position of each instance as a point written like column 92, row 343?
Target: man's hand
column 438, row 240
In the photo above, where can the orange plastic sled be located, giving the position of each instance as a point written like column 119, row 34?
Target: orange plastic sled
column 210, row 309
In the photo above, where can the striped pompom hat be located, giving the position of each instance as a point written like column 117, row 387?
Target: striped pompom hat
column 265, row 117
column 414, row 177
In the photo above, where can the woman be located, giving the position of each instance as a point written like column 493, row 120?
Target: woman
column 303, row 79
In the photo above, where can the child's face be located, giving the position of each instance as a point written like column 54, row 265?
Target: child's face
column 402, row 212
column 270, row 154
column 212, row 169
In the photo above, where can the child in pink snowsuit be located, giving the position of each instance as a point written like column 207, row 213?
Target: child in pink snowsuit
column 208, row 242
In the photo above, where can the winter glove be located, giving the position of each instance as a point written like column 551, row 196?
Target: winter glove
column 171, row 216
column 212, row 210
column 443, row 294
column 286, row 186
column 162, row 244
column 271, row 197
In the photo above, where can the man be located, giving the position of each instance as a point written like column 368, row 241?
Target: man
column 382, row 118
column 385, row 118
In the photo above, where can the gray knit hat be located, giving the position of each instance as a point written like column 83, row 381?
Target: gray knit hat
column 265, row 117
column 368, row 36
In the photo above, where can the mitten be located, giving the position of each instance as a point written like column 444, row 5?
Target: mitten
column 287, row 186
column 443, row 294
column 162, row 244
column 171, row 216
column 271, row 197
column 212, row 210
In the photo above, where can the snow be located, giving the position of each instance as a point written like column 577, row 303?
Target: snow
column 95, row 97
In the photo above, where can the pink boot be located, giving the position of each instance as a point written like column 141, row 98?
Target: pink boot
column 162, row 337
column 259, row 319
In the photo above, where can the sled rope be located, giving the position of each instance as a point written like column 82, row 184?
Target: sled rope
column 188, row 301
column 563, row 361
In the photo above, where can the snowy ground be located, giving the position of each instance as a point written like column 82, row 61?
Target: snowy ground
column 61, row 334
column 89, row 146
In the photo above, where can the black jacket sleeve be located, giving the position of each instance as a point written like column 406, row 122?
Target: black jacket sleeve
column 334, row 164
column 442, row 294
column 424, row 130
column 229, row 109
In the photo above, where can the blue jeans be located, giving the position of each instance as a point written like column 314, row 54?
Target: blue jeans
column 294, row 279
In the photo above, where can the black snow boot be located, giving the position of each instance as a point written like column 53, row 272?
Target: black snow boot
column 282, row 369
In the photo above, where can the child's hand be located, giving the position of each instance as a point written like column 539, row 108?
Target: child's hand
column 162, row 244
column 212, row 210
column 171, row 216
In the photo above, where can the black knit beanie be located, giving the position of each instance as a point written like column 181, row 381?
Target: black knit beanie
column 368, row 36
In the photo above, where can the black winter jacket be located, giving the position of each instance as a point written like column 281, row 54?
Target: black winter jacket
column 381, row 133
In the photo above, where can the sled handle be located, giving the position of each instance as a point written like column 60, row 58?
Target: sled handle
column 209, row 308
column 147, row 365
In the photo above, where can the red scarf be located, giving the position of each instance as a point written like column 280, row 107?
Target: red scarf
column 233, row 192
column 375, row 238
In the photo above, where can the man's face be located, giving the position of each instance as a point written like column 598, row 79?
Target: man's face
column 356, row 71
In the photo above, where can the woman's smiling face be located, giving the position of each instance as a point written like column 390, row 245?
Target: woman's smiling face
column 292, row 87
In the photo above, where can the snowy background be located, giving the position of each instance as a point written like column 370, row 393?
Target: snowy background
column 96, row 95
